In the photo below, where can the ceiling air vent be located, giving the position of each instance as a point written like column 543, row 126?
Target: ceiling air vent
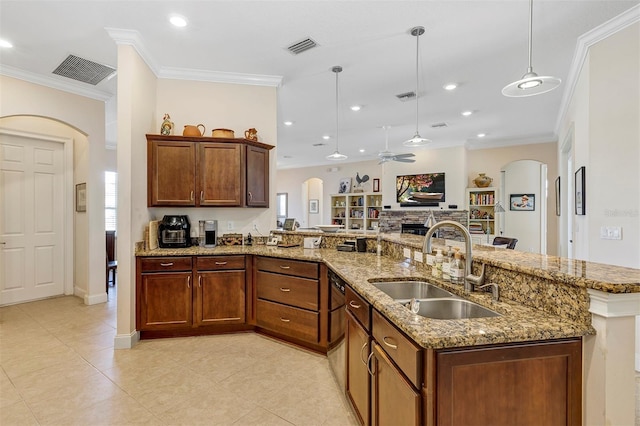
column 83, row 70
column 436, row 125
column 319, row 144
column 404, row 97
column 302, row 46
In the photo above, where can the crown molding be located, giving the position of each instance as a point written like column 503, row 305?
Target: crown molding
column 474, row 144
column 133, row 38
column 55, row 83
column 584, row 43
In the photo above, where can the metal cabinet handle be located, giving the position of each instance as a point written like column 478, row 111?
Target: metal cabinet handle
column 200, row 281
column 221, row 263
column 285, row 320
column 3, row 242
column 201, row 196
column 361, row 351
column 286, row 290
column 250, row 196
column 354, row 305
column 391, row 345
column 285, row 267
column 369, row 364
column 189, row 281
column 167, row 264
column 191, row 196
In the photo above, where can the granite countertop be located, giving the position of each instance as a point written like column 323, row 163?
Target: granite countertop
column 517, row 323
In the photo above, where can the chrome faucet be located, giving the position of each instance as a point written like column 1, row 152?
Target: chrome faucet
column 470, row 280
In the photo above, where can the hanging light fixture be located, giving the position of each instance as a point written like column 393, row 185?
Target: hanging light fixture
column 531, row 83
column 336, row 156
column 417, row 140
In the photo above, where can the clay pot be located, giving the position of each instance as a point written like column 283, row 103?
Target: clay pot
column 223, row 133
column 190, row 130
column 251, row 134
column 483, row 181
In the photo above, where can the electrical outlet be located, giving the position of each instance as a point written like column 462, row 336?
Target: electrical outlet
column 611, row 233
column 230, row 226
column 417, row 256
column 406, row 252
column 431, row 260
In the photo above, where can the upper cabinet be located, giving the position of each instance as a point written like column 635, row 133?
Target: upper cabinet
column 207, row 172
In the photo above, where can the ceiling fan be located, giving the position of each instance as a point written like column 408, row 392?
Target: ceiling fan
column 387, row 155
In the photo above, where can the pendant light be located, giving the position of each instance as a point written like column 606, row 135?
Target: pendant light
column 417, row 140
column 336, row 156
column 531, row 83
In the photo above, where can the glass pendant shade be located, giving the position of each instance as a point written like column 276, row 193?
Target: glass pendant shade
column 336, row 156
column 417, row 140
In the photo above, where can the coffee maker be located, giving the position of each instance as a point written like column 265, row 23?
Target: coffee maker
column 208, row 233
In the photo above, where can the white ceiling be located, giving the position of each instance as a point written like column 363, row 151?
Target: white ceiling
column 481, row 45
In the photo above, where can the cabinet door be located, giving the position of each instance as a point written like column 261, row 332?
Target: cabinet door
column 393, row 400
column 220, row 177
column 257, row 177
column 220, row 297
column 166, row 301
column 358, row 380
column 171, row 173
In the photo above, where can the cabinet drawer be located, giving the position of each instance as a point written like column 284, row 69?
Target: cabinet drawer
column 403, row 351
column 294, row 322
column 155, row 264
column 294, row 291
column 214, row 263
column 358, row 307
column 288, row 267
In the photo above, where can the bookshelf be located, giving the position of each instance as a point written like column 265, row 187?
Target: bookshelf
column 482, row 216
column 356, row 211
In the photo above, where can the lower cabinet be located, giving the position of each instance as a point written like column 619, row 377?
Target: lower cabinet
column 220, row 296
column 358, row 382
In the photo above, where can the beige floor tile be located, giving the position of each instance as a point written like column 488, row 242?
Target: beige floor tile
column 17, row 414
column 261, row 417
column 8, row 393
column 29, row 362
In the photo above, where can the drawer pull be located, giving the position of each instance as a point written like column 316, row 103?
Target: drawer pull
column 286, row 290
column 369, row 363
column 285, row 267
column 221, row 263
column 354, row 305
column 391, row 345
column 285, row 320
column 167, row 264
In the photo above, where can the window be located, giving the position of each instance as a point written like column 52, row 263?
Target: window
column 281, row 208
column 110, row 200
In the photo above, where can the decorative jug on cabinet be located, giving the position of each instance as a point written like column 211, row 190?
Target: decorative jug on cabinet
column 483, row 181
column 190, row 130
column 251, row 134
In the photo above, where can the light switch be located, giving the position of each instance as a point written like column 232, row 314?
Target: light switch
column 610, row 232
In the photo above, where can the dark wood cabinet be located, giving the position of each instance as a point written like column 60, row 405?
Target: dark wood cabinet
column 536, row 383
column 220, row 296
column 207, row 172
column 394, row 401
column 358, row 379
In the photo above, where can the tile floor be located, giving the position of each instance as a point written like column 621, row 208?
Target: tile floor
column 58, row 367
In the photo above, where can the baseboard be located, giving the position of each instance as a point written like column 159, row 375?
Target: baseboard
column 95, row 299
column 126, row 341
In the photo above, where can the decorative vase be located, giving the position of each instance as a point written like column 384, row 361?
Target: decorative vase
column 483, row 181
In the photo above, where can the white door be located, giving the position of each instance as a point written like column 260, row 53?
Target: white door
column 31, row 219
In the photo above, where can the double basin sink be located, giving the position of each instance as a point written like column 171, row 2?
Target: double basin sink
column 434, row 302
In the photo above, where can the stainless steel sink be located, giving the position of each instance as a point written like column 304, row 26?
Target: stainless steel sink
column 407, row 290
column 452, row 308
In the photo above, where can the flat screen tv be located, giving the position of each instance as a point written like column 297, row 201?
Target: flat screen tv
column 420, row 190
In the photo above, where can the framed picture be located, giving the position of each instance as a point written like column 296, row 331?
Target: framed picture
column 558, row 198
column 580, row 189
column 313, row 206
column 522, row 202
column 345, row 186
column 289, row 224
column 376, row 185
column 81, row 197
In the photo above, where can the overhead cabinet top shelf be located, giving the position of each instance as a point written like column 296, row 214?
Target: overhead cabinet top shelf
column 207, row 172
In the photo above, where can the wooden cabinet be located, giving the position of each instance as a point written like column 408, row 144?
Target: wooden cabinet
column 164, row 293
column 535, row 383
column 207, row 172
column 394, row 401
column 292, row 300
column 220, row 296
column 356, row 211
column 358, row 382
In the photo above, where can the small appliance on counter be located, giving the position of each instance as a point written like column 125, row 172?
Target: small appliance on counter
column 208, row 233
column 174, row 232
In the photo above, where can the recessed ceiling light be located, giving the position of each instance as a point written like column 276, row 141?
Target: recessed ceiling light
column 481, row 135
column 326, row 137
column 178, row 21
column 450, row 86
column 5, row 43
column 466, row 113
column 356, row 108
column 288, row 123
column 361, row 150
